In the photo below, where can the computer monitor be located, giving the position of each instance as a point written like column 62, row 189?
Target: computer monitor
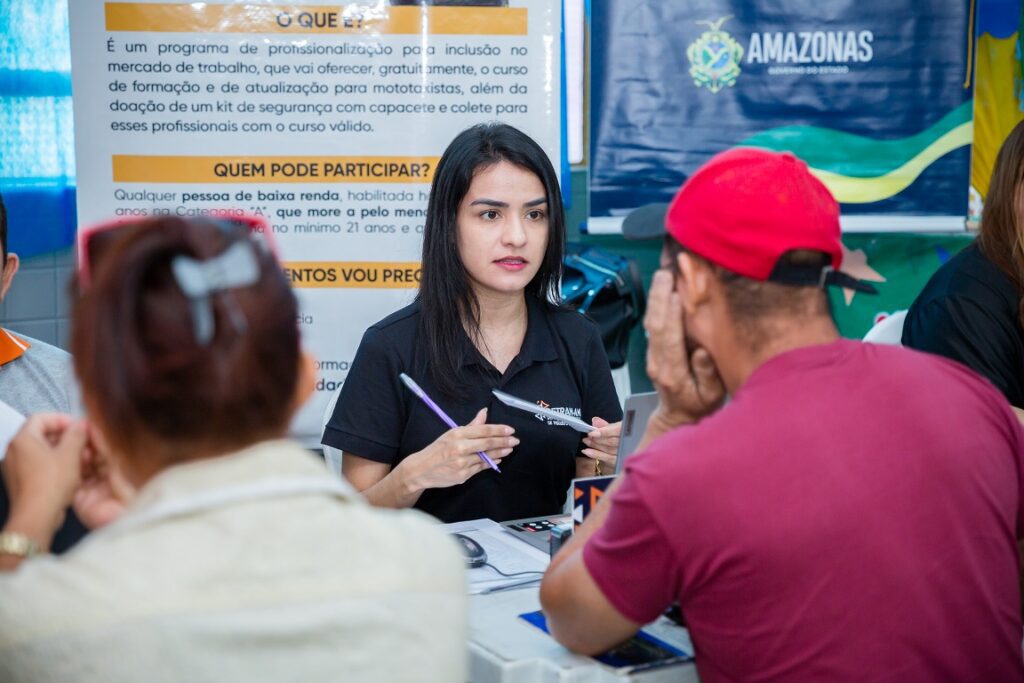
column 635, row 414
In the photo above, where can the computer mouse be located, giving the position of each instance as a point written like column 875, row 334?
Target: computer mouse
column 475, row 554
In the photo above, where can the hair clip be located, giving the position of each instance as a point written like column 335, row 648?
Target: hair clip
column 236, row 267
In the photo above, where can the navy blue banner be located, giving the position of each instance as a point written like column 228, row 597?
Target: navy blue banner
column 874, row 94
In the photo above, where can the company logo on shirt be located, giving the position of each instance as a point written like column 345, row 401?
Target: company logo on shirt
column 571, row 412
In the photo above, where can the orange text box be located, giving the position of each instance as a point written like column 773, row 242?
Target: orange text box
column 353, row 274
column 320, row 169
column 373, row 19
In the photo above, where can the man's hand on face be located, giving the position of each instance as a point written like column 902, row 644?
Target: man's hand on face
column 687, row 382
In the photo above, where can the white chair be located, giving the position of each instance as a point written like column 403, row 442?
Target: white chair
column 331, row 455
column 620, row 378
column 889, row 330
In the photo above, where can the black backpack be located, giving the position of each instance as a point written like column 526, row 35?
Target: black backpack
column 608, row 289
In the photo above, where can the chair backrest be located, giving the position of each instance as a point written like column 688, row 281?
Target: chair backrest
column 889, row 330
column 331, row 455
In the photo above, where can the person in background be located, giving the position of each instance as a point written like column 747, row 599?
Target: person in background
column 34, row 378
column 485, row 318
column 850, row 514
column 972, row 309
column 221, row 551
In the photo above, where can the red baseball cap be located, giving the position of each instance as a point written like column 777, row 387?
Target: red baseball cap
column 745, row 208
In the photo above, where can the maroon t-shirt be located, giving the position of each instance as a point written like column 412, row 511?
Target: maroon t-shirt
column 850, row 515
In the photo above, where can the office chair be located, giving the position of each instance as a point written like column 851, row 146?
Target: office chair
column 331, row 455
column 888, row 330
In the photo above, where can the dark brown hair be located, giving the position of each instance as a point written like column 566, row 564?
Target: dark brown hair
column 1001, row 239
column 146, row 378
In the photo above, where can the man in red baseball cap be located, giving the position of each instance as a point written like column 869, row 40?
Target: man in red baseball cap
column 853, row 511
column 745, row 223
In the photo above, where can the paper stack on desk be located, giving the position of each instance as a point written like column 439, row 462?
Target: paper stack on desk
column 505, row 552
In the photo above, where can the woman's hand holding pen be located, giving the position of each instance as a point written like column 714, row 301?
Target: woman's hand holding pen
column 602, row 445
column 452, row 458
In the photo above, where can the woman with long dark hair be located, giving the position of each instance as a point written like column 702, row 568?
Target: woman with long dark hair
column 486, row 317
column 226, row 551
column 972, row 308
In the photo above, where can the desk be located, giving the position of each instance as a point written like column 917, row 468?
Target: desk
column 505, row 649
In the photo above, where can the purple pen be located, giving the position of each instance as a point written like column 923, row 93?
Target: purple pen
column 415, row 388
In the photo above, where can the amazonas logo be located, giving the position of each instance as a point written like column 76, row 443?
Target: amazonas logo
column 714, row 57
column 810, row 52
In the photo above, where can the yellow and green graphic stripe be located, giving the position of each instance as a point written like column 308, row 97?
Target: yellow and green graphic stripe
column 860, row 170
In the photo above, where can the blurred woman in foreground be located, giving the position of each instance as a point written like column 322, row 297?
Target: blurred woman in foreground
column 226, row 552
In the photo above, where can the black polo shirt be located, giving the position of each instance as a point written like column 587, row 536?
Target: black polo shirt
column 562, row 363
column 969, row 311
